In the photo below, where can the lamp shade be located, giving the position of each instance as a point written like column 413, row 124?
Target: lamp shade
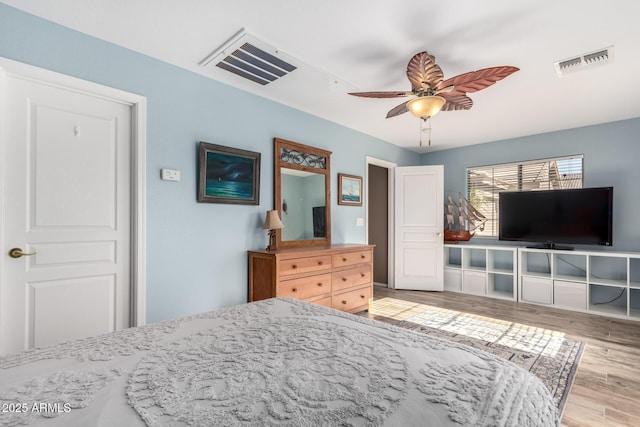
column 272, row 221
column 426, row 106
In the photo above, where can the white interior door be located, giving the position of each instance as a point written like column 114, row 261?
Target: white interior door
column 66, row 204
column 419, row 198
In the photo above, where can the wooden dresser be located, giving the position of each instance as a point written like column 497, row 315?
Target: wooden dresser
column 338, row 276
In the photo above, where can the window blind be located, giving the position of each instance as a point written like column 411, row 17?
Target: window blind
column 484, row 183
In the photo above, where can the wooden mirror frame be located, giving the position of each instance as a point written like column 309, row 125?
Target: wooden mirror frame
column 314, row 165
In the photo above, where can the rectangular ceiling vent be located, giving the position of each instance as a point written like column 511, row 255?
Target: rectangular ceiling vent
column 248, row 57
column 583, row 62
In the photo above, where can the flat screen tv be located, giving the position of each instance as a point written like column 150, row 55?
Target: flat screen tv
column 319, row 222
column 576, row 216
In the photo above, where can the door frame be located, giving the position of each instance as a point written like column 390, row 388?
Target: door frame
column 138, row 104
column 391, row 167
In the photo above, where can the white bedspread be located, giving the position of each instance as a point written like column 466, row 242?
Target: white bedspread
column 278, row 362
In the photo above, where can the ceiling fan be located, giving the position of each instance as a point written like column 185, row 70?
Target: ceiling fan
column 432, row 93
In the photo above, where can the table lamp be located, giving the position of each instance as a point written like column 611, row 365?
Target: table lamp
column 272, row 223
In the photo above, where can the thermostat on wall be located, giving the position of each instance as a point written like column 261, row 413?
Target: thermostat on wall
column 170, row 175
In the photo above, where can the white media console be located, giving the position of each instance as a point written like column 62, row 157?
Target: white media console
column 599, row 282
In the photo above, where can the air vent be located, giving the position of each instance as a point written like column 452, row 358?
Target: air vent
column 248, row 57
column 583, row 62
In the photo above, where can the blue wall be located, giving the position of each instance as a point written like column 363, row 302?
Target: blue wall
column 611, row 158
column 196, row 253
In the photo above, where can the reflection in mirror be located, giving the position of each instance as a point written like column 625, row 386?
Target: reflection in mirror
column 302, row 178
column 303, row 205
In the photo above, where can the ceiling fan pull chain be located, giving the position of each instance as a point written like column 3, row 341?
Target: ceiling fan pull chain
column 424, row 120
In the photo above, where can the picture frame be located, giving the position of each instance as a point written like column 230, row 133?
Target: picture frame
column 228, row 175
column 349, row 190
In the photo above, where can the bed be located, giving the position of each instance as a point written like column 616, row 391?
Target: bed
column 277, row 362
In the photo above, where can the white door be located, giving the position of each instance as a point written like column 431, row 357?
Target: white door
column 66, row 204
column 419, row 198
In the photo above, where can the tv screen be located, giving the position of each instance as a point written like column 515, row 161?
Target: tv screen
column 576, row 216
column 319, row 223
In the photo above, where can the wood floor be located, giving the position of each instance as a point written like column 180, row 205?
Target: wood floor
column 606, row 390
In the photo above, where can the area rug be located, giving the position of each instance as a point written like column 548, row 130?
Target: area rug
column 547, row 354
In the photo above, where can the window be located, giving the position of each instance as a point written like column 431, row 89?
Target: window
column 485, row 182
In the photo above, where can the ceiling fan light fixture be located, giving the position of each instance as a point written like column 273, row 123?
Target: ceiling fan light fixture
column 426, row 106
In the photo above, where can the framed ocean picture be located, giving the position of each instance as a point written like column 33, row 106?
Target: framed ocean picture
column 349, row 190
column 228, row 175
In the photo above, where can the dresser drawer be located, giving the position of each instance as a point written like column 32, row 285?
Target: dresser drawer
column 305, row 265
column 351, row 258
column 305, row 287
column 336, row 276
column 351, row 277
column 355, row 300
column 325, row 301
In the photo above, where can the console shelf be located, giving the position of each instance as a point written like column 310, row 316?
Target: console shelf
column 598, row 282
column 481, row 270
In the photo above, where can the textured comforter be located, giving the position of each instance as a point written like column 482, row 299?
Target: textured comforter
column 278, row 362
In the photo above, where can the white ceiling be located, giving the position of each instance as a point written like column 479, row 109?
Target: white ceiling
column 364, row 45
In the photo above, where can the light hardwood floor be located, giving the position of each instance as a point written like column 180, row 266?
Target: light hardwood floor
column 606, row 390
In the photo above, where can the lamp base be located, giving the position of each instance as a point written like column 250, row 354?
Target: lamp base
column 273, row 246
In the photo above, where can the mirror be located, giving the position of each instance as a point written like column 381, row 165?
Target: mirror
column 303, row 205
column 302, row 199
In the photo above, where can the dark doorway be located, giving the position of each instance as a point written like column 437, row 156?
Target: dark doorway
column 378, row 217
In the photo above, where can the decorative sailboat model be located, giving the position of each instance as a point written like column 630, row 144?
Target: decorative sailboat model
column 462, row 220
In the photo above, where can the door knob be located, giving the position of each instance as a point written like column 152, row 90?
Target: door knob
column 17, row 253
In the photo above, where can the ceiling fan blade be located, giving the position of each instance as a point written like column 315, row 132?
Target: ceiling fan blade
column 423, row 72
column 474, row 81
column 397, row 110
column 389, row 94
column 445, row 89
column 456, row 101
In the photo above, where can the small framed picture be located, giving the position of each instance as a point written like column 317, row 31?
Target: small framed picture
column 349, row 190
column 228, row 175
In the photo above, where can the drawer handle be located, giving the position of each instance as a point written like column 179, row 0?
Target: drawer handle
column 362, row 274
column 294, row 266
column 320, row 284
column 295, row 289
column 320, row 263
column 344, row 279
column 362, row 296
column 363, row 257
column 344, row 260
column 344, row 302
